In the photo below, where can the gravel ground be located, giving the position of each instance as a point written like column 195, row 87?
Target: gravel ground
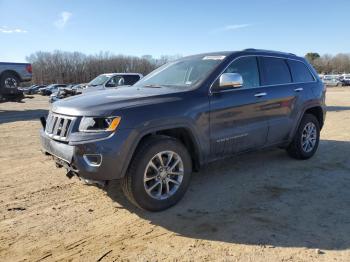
column 261, row 206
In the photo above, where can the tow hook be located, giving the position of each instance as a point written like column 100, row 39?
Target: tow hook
column 70, row 174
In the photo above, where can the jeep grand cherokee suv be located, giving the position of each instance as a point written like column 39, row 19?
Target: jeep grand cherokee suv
column 183, row 115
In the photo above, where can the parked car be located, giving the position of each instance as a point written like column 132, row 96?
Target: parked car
column 112, row 80
column 34, row 89
column 11, row 75
column 102, row 82
column 65, row 92
column 345, row 80
column 331, row 80
column 25, row 90
column 184, row 115
column 46, row 91
column 78, row 87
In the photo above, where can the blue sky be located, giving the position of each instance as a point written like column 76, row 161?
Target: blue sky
column 160, row 27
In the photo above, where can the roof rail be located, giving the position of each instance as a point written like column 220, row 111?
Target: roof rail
column 264, row 50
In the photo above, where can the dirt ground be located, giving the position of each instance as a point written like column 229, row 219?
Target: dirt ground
column 261, row 206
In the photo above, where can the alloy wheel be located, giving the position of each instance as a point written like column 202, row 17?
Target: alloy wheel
column 10, row 82
column 163, row 175
column 309, row 137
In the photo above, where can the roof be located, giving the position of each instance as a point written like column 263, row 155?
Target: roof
column 246, row 51
column 267, row 51
column 122, row 74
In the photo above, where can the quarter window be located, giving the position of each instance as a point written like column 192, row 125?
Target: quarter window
column 300, row 72
column 275, row 71
column 131, row 79
column 247, row 67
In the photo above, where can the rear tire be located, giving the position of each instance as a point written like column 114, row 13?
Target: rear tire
column 9, row 81
column 306, row 138
column 159, row 174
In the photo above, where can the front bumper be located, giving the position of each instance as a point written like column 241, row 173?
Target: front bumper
column 114, row 151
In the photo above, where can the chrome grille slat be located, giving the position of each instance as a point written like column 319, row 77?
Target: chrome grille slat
column 56, row 125
column 64, row 126
column 59, row 126
column 50, row 123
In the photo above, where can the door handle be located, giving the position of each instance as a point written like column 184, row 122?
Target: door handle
column 298, row 89
column 260, row 94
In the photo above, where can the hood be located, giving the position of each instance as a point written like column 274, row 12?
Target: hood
column 98, row 88
column 93, row 88
column 105, row 102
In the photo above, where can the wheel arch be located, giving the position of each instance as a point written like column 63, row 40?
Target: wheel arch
column 316, row 110
column 11, row 72
column 182, row 133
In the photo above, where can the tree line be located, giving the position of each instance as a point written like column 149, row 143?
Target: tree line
column 76, row 67
column 330, row 64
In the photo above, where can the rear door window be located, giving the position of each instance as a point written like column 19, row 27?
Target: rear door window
column 275, row 71
column 300, row 72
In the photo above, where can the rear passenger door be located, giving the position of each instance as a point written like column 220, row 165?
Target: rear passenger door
column 283, row 97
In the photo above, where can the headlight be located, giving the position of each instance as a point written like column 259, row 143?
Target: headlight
column 99, row 124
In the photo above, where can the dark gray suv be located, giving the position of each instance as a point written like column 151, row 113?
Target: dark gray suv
column 184, row 115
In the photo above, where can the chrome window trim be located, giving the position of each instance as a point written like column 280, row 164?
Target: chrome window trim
column 262, row 86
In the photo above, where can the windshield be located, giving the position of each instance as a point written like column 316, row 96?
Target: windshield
column 184, row 73
column 100, row 80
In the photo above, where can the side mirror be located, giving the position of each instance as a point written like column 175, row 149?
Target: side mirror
column 230, row 80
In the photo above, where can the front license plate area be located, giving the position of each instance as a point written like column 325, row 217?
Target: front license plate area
column 57, row 149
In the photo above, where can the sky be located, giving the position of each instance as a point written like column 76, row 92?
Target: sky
column 177, row 27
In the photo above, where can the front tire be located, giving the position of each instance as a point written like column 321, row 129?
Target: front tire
column 159, row 174
column 306, row 139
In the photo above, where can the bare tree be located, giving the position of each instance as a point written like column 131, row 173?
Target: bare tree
column 328, row 64
column 75, row 67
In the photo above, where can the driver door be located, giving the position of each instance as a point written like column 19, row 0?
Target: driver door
column 237, row 119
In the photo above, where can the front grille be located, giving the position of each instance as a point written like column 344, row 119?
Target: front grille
column 59, row 126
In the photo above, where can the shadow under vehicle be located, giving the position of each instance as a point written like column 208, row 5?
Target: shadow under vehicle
column 265, row 199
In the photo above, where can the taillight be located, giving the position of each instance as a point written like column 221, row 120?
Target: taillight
column 29, row 69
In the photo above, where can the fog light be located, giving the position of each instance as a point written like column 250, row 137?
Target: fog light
column 93, row 159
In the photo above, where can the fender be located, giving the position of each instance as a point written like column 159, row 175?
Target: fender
column 139, row 133
column 13, row 73
column 306, row 107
